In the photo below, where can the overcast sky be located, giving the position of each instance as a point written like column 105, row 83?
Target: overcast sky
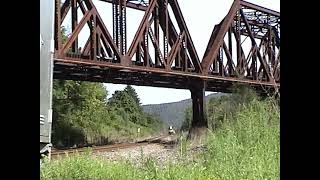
column 200, row 17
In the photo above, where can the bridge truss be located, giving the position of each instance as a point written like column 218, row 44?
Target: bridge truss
column 163, row 55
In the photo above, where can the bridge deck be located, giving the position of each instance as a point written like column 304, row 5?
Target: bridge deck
column 86, row 70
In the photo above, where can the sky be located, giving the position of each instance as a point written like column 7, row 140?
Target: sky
column 200, row 17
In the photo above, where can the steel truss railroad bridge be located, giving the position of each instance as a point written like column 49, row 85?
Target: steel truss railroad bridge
column 106, row 56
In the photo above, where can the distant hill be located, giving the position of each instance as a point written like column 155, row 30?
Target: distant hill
column 173, row 113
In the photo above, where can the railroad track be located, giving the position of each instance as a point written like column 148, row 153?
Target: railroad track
column 95, row 149
column 106, row 148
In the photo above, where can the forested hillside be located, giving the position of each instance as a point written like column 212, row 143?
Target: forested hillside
column 173, row 113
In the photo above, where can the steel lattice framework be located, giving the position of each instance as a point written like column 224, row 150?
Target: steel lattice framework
column 106, row 56
column 262, row 62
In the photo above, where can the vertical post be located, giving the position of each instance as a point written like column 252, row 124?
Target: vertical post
column 138, row 54
column 273, row 45
column 145, row 49
column 124, row 26
column 221, row 73
column 185, row 54
column 93, row 32
column 74, row 19
column 254, row 63
column 57, row 36
column 264, row 57
column 178, row 59
column 98, row 45
column 269, row 48
column 230, row 70
column 199, row 122
column 272, row 51
column 120, row 26
column 238, row 37
column 156, row 32
column 166, row 32
column 115, row 22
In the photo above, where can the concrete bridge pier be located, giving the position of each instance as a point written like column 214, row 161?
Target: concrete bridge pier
column 199, row 123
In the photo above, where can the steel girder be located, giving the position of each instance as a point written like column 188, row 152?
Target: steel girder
column 262, row 62
column 175, row 55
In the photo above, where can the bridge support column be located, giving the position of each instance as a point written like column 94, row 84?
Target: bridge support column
column 199, row 123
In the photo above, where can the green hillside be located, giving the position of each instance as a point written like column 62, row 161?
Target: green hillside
column 173, row 113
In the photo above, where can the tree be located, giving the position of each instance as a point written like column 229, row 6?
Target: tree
column 78, row 107
column 122, row 100
column 132, row 92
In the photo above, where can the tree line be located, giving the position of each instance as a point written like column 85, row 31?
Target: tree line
column 82, row 114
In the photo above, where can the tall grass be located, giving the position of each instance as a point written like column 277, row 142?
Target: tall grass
column 245, row 147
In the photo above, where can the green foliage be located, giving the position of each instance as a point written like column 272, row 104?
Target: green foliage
column 81, row 115
column 127, row 103
column 188, row 118
column 64, row 37
column 244, row 147
column 183, row 145
column 122, row 100
column 78, row 111
column 133, row 94
column 247, row 147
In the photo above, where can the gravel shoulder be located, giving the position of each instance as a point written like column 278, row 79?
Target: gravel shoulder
column 161, row 152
